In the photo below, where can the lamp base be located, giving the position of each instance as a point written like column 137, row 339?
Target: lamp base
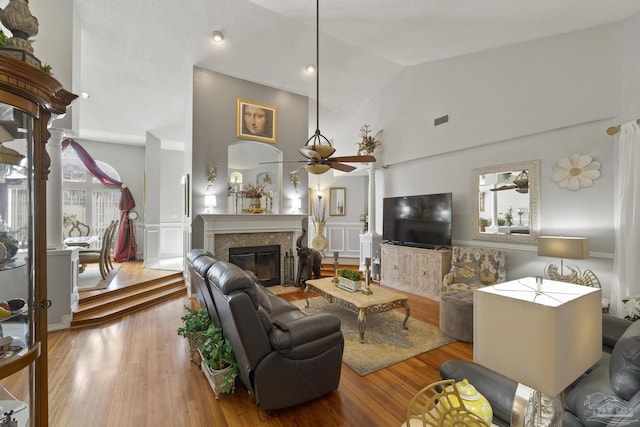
column 534, row 408
column 552, row 272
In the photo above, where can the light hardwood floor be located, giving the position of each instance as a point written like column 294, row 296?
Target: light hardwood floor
column 136, row 372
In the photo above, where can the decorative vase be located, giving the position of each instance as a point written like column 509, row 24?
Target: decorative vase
column 319, row 242
column 254, row 204
column 474, row 401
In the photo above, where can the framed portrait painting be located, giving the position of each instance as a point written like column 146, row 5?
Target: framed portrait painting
column 256, row 121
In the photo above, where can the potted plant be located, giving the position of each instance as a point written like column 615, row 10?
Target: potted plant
column 195, row 325
column 368, row 143
column 218, row 361
column 350, row 280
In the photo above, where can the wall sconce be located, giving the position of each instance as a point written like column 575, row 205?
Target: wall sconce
column 210, row 200
column 212, row 173
column 294, row 178
column 266, row 180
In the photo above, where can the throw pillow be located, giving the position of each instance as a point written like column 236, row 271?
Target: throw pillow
column 465, row 272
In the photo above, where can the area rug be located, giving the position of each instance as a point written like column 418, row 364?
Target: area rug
column 386, row 342
column 91, row 280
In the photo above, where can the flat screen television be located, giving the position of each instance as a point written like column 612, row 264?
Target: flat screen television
column 422, row 221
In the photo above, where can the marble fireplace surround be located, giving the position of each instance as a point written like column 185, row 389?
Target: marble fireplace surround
column 222, row 231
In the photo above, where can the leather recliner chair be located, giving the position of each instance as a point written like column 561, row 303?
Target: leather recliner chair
column 284, row 356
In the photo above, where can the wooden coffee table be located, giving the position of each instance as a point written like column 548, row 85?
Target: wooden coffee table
column 379, row 301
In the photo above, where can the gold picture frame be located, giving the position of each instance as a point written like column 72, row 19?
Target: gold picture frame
column 256, row 121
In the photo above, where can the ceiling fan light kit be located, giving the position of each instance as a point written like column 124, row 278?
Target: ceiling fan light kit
column 318, row 148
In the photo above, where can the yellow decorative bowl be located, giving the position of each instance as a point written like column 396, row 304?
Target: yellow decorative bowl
column 474, row 401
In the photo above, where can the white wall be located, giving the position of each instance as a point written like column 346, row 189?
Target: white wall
column 544, row 99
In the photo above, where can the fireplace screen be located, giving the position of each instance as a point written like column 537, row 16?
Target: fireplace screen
column 264, row 261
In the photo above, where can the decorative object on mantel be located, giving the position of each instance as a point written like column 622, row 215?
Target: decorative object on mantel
column 368, row 143
column 254, row 193
column 577, row 171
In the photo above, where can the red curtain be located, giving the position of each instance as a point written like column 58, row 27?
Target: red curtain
column 126, row 247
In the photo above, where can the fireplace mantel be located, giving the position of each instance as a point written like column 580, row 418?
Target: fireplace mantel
column 249, row 223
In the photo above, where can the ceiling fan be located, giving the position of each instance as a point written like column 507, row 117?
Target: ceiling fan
column 520, row 184
column 318, row 149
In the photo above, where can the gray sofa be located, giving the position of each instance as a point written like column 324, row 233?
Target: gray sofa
column 608, row 394
column 285, row 357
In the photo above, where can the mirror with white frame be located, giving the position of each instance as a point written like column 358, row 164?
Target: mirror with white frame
column 507, row 205
column 254, row 163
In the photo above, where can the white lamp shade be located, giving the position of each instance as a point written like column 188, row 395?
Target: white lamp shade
column 296, row 203
column 210, row 200
column 542, row 340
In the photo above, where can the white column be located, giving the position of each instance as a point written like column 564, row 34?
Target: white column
column 55, row 233
column 370, row 241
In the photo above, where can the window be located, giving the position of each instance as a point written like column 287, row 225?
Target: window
column 84, row 198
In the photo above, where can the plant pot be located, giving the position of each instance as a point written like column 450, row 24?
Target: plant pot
column 195, row 341
column 215, row 377
column 349, row 285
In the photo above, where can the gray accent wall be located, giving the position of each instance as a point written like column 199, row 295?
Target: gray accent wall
column 214, row 129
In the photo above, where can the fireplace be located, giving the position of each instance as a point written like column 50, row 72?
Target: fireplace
column 224, row 231
column 264, row 261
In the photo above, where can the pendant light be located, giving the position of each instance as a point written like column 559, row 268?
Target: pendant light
column 318, row 145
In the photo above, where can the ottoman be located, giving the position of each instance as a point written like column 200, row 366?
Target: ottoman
column 456, row 315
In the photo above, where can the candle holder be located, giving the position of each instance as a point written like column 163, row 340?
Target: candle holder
column 520, row 212
column 367, row 276
column 335, row 267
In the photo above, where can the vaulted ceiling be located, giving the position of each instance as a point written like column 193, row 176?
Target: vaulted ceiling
column 136, row 57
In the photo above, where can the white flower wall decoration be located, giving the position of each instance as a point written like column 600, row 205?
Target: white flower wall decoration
column 578, row 171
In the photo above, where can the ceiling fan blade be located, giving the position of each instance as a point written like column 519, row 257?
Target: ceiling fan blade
column 354, row 159
column 341, row 166
column 310, row 153
column 283, row 161
column 504, row 187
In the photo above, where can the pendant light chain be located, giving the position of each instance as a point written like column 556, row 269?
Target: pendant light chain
column 317, row 67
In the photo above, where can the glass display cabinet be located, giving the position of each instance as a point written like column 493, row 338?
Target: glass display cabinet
column 29, row 99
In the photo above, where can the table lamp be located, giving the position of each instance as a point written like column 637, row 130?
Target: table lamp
column 563, row 247
column 543, row 334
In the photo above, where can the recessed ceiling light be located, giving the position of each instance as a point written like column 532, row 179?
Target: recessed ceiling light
column 311, row 68
column 217, row 36
column 85, row 95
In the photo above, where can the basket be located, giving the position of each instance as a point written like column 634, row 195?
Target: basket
column 195, row 341
column 215, row 377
